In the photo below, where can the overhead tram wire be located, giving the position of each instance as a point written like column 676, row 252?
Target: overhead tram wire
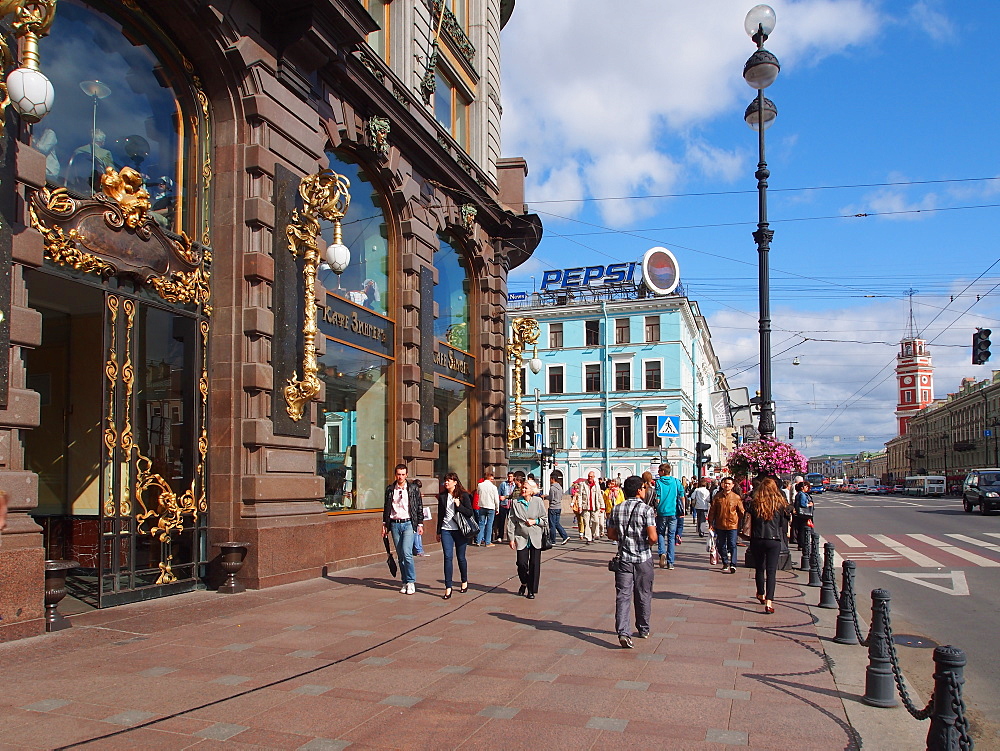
column 776, row 190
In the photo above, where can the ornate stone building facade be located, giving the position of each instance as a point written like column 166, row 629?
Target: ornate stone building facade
column 193, row 358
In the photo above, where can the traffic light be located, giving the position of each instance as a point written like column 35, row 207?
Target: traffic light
column 981, row 346
column 701, row 448
column 791, row 432
column 705, row 459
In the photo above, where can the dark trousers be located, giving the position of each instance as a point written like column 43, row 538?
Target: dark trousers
column 800, row 528
column 555, row 525
column 500, row 525
column 529, row 567
column 453, row 544
column 726, row 542
column 765, row 556
column 633, row 584
column 700, row 517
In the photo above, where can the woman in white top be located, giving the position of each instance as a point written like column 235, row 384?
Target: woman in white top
column 454, row 499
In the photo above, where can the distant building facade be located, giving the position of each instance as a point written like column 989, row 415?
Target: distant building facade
column 616, row 359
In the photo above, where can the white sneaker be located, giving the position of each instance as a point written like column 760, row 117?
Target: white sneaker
column 402, row 590
column 411, row 588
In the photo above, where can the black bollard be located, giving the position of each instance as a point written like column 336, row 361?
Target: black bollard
column 880, row 688
column 845, row 618
column 804, row 547
column 949, row 731
column 828, row 593
column 814, row 572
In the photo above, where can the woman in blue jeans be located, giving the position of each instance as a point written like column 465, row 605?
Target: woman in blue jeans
column 453, row 500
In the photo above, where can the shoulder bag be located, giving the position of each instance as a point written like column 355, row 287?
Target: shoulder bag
column 746, row 525
column 467, row 525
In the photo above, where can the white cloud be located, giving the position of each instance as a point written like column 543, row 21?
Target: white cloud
column 606, row 99
column 846, row 387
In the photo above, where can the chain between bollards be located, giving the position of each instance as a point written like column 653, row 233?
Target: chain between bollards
column 828, row 593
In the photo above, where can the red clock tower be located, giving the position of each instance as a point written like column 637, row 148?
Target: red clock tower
column 914, row 379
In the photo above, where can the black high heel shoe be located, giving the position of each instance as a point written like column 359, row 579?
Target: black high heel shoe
column 464, row 588
column 521, row 590
column 447, row 594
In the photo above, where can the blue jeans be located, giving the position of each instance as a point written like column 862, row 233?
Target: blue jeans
column 666, row 527
column 680, row 525
column 454, row 542
column 402, row 538
column 726, row 542
column 486, row 517
column 418, row 544
column 555, row 524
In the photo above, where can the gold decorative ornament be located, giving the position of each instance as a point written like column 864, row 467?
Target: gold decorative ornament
column 110, row 432
column 61, row 248
column 325, row 195
column 523, row 332
column 125, row 189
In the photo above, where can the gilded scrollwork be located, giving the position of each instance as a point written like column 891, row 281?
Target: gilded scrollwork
column 110, row 430
column 61, row 247
column 325, row 195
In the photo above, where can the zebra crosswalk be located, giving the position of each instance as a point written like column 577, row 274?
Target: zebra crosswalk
column 918, row 550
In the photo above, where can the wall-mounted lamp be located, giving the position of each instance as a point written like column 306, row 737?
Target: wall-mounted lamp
column 26, row 87
column 523, row 332
column 325, row 196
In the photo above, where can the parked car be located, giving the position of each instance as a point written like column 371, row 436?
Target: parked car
column 851, row 488
column 897, row 489
column 981, row 488
column 871, row 490
column 884, row 490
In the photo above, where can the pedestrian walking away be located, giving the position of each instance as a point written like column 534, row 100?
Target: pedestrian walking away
column 402, row 517
column 701, row 500
column 489, row 502
column 724, row 517
column 632, row 524
column 555, row 511
column 526, row 524
column 769, row 517
column 453, row 500
column 669, row 493
column 506, row 491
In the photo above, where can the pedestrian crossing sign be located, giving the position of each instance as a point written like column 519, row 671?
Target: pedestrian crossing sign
column 668, row 426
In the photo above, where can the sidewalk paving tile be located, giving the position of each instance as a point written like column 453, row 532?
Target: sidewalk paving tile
column 220, row 731
column 293, row 667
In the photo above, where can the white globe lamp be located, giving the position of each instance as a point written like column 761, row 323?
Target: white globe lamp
column 31, row 93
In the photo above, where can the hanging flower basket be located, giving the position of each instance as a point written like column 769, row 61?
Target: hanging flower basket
column 766, row 458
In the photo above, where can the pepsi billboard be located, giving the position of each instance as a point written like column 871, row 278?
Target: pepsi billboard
column 658, row 269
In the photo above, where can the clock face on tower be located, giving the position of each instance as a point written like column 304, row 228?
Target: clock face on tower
column 907, row 380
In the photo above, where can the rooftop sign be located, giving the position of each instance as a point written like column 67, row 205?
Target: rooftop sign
column 658, row 269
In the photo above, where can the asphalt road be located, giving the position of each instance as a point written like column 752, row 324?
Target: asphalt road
column 942, row 568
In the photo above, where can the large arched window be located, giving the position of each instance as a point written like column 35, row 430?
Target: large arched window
column 451, row 293
column 365, row 281
column 116, row 105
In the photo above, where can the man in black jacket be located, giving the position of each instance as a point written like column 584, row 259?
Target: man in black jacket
column 402, row 515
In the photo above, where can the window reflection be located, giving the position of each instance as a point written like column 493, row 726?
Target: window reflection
column 451, row 431
column 451, row 293
column 365, row 280
column 115, row 108
column 355, row 422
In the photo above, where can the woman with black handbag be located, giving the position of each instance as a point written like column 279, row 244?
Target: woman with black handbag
column 527, row 528
column 455, row 519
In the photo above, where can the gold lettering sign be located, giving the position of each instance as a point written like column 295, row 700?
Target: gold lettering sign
column 353, row 323
column 447, row 359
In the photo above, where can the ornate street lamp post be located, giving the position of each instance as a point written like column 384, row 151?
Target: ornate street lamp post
column 759, row 72
column 523, row 332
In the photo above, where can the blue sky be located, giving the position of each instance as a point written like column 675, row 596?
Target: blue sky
column 884, row 108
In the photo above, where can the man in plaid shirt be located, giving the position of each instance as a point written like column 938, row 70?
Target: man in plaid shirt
column 632, row 524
